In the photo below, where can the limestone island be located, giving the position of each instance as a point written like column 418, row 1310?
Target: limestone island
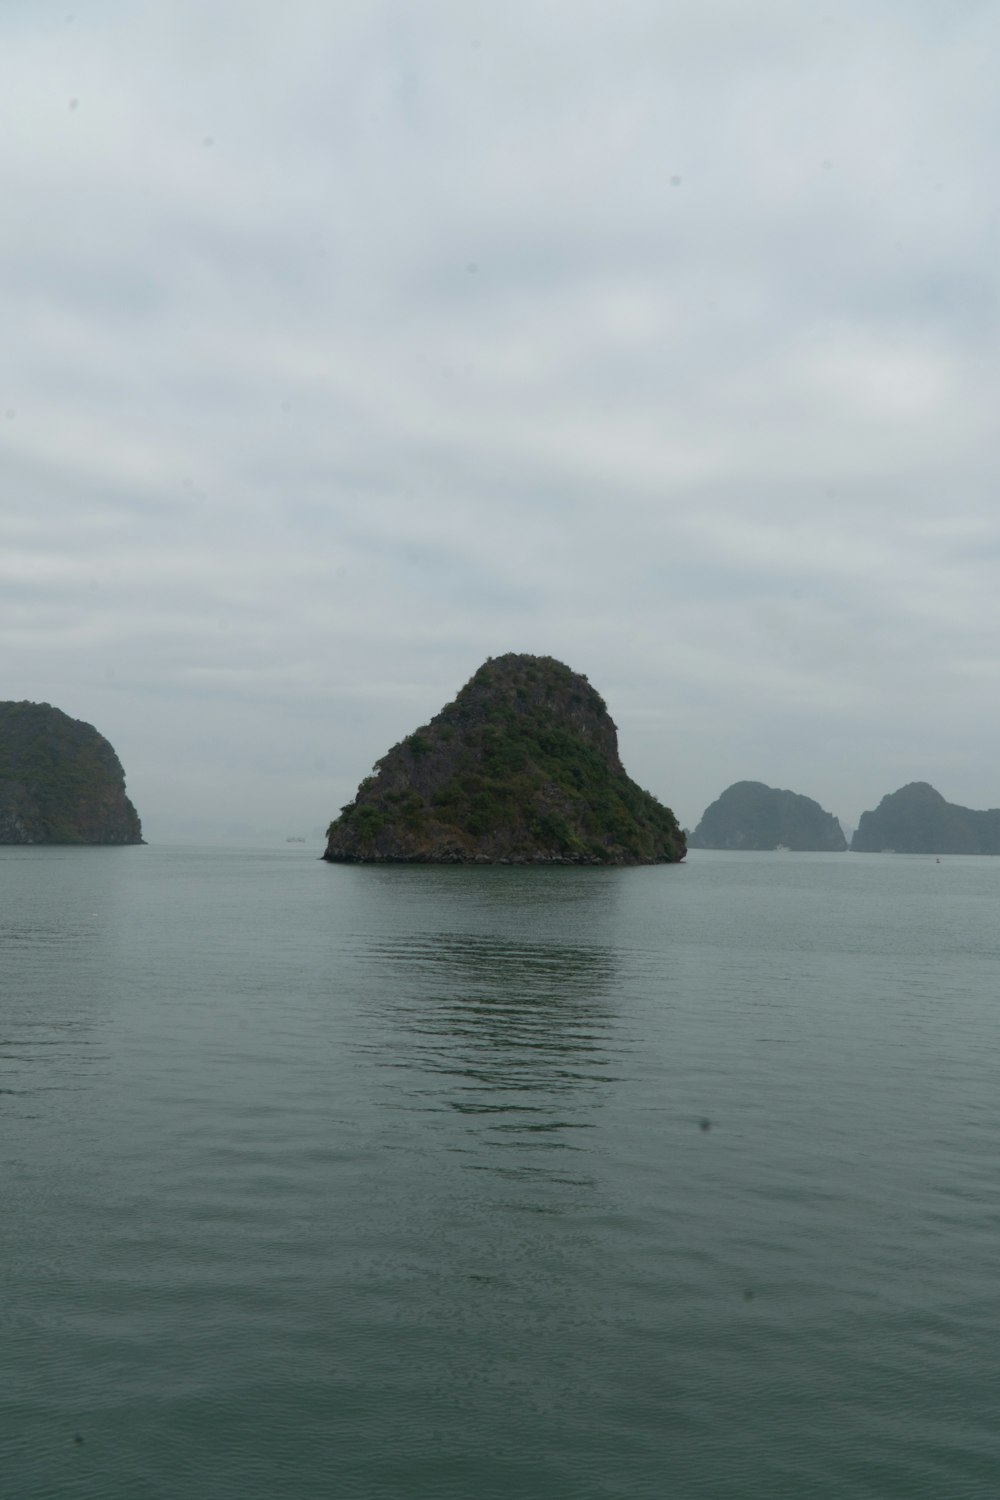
column 521, row 768
column 917, row 820
column 60, row 781
column 752, row 816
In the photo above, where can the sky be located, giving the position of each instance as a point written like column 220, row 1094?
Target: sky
column 345, row 346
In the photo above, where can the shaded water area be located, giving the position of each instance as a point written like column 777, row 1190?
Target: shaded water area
column 420, row 1182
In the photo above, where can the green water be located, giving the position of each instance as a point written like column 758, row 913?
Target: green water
column 327, row 1181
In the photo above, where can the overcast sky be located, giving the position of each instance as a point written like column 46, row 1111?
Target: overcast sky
column 345, row 345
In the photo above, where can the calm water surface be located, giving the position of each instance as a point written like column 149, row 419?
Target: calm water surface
column 321, row 1181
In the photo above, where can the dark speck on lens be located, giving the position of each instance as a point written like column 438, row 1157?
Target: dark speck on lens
column 748, row 1294
column 208, row 140
column 472, row 267
column 675, row 181
column 74, row 104
column 77, row 1438
column 706, row 1125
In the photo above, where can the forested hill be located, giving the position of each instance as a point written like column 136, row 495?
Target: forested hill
column 749, row 815
column 60, row 781
column 916, row 819
column 522, row 767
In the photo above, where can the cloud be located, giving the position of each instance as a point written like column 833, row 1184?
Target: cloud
column 343, row 350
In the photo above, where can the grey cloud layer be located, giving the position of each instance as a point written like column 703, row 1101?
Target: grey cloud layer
column 348, row 345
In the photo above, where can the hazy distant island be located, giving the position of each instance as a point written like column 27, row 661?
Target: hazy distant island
column 749, row 815
column 917, row 820
column 521, row 768
column 60, row 781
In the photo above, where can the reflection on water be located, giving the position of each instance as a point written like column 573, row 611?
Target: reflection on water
column 515, row 1034
column 506, row 1027
column 57, row 930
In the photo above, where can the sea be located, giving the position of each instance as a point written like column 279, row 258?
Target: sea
column 515, row 1184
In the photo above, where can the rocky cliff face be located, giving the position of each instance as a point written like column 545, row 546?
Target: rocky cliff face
column 522, row 767
column 60, row 781
column 917, row 820
column 750, row 815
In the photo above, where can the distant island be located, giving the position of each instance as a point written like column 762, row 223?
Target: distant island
column 60, row 781
column 751, row 816
column 521, row 768
column 917, row 820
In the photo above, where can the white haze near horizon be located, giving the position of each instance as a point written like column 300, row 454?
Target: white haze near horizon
column 346, row 346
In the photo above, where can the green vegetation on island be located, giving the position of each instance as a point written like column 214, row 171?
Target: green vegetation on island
column 522, row 767
column 752, row 816
column 916, row 819
column 60, row 781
